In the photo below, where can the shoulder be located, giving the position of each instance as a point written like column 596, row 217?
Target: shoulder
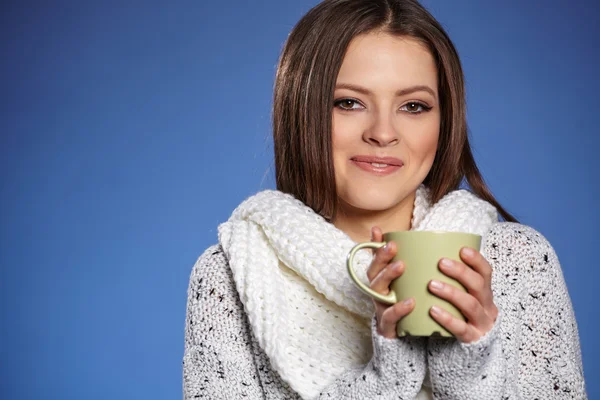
column 213, row 304
column 211, row 268
column 212, row 258
column 511, row 232
column 519, row 251
column 513, row 239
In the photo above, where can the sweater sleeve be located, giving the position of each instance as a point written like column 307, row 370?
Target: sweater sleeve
column 396, row 370
column 222, row 360
column 533, row 349
column 217, row 362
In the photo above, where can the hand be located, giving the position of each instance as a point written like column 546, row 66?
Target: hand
column 477, row 305
column 381, row 273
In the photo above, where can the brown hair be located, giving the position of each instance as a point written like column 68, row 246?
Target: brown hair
column 303, row 99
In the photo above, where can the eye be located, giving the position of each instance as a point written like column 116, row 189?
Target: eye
column 415, row 107
column 348, row 104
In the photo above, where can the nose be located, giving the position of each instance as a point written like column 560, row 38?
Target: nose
column 381, row 132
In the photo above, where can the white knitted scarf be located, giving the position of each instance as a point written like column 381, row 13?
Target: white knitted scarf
column 289, row 267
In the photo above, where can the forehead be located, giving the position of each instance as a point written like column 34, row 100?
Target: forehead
column 378, row 56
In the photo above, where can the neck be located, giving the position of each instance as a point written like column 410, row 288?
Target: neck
column 357, row 223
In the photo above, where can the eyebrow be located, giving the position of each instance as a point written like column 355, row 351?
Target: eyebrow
column 400, row 92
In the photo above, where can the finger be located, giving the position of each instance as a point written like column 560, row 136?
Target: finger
column 468, row 305
column 475, row 284
column 376, row 234
column 382, row 257
column 460, row 329
column 476, row 260
column 381, row 283
column 480, row 265
column 391, row 315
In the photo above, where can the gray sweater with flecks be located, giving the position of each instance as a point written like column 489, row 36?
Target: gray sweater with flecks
column 531, row 353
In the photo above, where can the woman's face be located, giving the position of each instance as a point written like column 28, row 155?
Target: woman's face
column 386, row 121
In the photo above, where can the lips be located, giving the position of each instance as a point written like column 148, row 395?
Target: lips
column 379, row 160
column 378, row 165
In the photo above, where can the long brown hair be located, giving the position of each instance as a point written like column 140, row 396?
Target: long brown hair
column 303, row 99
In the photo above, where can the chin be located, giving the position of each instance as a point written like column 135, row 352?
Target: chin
column 374, row 198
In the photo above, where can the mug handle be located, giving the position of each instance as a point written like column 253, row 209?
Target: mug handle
column 389, row 298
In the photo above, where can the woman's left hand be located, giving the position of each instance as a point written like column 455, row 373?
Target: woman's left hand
column 477, row 304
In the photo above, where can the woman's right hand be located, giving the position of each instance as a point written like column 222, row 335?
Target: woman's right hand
column 381, row 273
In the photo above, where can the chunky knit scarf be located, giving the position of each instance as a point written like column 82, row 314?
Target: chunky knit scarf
column 289, row 269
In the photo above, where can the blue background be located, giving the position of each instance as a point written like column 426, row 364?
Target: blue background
column 130, row 130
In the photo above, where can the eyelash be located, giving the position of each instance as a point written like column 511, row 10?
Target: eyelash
column 424, row 107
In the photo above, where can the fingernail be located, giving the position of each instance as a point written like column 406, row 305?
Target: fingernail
column 408, row 302
column 437, row 285
column 447, row 263
column 386, row 248
column 469, row 252
column 436, row 310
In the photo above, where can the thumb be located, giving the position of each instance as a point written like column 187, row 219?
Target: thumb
column 376, row 234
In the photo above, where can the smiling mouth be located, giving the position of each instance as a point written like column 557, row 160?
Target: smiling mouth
column 378, row 167
column 378, row 161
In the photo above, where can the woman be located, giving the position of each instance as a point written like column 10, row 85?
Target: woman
column 370, row 136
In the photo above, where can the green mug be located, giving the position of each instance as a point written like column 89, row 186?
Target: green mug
column 421, row 252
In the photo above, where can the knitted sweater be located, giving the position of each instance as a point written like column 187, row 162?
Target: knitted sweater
column 532, row 351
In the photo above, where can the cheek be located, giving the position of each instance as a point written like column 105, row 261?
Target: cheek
column 341, row 127
column 338, row 145
column 424, row 145
column 343, row 136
